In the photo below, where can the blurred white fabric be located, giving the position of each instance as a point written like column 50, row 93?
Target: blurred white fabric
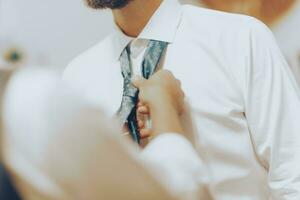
column 57, row 146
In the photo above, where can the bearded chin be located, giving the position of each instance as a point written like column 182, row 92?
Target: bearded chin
column 102, row 4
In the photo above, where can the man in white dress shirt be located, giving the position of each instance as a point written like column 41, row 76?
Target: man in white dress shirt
column 244, row 99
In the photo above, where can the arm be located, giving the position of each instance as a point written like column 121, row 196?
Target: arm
column 57, row 146
column 66, row 149
column 171, row 155
column 272, row 111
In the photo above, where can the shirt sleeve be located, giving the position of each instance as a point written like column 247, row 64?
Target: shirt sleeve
column 176, row 163
column 272, row 110
column 66, row 148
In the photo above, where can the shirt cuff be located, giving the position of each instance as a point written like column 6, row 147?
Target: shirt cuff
column 168, row 144
column 176, row 163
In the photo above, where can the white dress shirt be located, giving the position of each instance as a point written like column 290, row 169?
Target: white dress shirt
column 244, row 99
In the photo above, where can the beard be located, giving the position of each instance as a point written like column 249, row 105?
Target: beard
column 102, row 4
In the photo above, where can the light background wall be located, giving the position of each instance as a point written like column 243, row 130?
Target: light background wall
column 52, row 32
column 287, row 32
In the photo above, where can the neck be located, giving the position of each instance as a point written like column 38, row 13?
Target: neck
column 134, row 17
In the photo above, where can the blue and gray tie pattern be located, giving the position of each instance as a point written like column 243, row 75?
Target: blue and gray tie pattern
column 127, row 111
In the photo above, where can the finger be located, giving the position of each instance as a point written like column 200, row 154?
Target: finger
column 137, row 81
column 141, row 124
column 145, row 133
column 139, row 116
column 143, row 110
column 140, row 103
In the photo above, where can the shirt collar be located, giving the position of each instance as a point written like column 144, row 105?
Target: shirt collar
column 162, row 26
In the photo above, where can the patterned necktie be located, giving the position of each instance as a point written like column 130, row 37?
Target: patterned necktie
column 127, row 111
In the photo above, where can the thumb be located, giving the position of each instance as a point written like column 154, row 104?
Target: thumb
column 137, row 81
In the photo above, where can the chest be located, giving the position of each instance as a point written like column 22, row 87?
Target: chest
column 207, row 83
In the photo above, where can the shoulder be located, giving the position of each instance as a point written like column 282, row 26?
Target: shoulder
column 94, row 57
column 223, row 24
column 228, row 34
column 239, row 41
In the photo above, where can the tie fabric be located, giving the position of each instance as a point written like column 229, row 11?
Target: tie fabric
column 127, row 110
